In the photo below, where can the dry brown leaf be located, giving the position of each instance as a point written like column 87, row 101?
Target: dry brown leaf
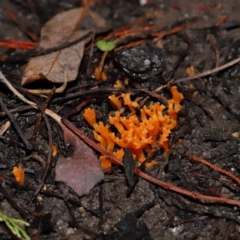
column 58, row 30
column 82, row 170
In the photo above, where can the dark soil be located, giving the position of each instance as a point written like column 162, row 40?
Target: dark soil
column 208, row 126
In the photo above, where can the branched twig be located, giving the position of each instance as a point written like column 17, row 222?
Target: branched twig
column 53, row 115
column 50, row 145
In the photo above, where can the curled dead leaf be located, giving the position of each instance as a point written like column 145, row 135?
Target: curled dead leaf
column 59, row 30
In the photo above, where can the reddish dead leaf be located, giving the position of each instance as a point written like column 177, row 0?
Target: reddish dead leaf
column 82, row 170
column 58, row 30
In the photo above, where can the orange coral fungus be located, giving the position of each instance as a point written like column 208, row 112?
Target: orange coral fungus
column 90, row 116
column 100, row 75
column 106, row 163
column 124, row 99
column 116, row 102
column 54, row 150
column 140, row 134
column 18, row 174
column 118, row 84
column 128, row 102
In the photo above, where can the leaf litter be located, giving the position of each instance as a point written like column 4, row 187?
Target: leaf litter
column 82, row 170
column 63, row 162
column 60, row 29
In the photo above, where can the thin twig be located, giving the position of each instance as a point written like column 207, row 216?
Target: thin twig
column 95, row 92
column 43, row 108
column 41, row 52
column 13, row 121
column 50, row 144
column 77, row 108
column 213, row 43
column 91, row 53
column 209, row 72
column 12, row 201
column 56, row 117
column 12, row 141
column 218, row 169
column 16, row 110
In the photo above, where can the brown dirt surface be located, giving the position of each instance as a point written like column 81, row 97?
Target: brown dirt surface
column 208, row 126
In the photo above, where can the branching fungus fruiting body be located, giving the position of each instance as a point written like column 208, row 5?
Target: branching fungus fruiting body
column 141, row 134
